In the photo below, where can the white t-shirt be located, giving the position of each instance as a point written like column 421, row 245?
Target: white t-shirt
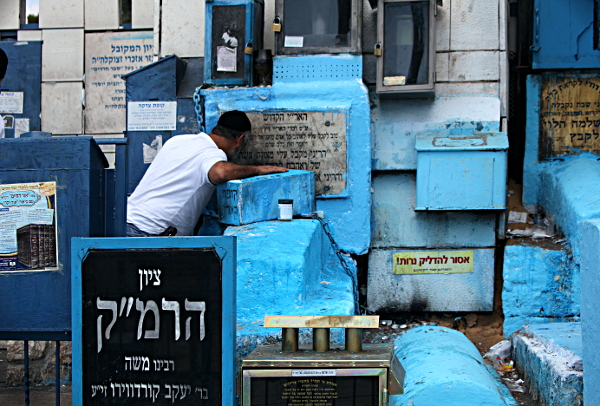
column 1, row 127
column 176, row 187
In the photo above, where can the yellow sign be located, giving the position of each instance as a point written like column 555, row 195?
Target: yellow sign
column 432, row 262
column 569, row 115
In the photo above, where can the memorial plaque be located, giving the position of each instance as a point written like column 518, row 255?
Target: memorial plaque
column 307, row 140
column 108, row 56
column 334, row 387
column 569, row 116
column 151, row 327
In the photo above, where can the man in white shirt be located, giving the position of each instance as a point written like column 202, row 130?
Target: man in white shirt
column 3, row 66
column 178, row 184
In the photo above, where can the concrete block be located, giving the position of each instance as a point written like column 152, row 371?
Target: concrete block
column 548, row 356
column 474, row 25
column 538, row 281
column 62, row 112
column 447, row 292
column 397, row 224
column 256, row 199
column 444, row 368
column 396, row 122
column 142, row 14
column 474, row 66
column 442, row 61
column 569, row 196
column 9, row 17
column 590, row 317
column 61, row 14
column 102, row 14
column 442, row 27
column 176, row 25
column 287, row 268
column 29, row 35
column 62, row 55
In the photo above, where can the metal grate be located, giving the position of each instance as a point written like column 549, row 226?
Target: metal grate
column 300, row 69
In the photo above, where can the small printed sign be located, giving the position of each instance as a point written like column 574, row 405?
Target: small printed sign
column 314, row 372
column 293, row 42
column 151, row 116
column 432, row 262
column 11, row 102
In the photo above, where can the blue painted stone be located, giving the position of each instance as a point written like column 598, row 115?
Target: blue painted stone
column 571, row 197
column 548, row 356
column 538, row 283
column 349, row 215
column 256, row 199
column 444, row 368
column 289, row 268
column 590, row 316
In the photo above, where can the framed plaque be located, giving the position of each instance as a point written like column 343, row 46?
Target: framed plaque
column 153, row 321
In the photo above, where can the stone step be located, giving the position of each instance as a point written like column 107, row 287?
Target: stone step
column 549, row 358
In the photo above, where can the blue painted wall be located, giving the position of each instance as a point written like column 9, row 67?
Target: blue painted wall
column 295, row 89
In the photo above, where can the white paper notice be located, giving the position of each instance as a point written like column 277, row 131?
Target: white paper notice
column 11, row 102
column 150, row 151
column 226, row 59
column 151, row 116
column 21, row 126
column 293, row 42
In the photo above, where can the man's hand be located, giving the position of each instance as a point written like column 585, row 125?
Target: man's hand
column 224, row 171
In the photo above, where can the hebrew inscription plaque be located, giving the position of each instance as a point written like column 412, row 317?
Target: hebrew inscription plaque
column 569, row 116
column 306, row 140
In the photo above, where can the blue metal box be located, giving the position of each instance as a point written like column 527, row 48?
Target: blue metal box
column 461, row 172
column 36, row 304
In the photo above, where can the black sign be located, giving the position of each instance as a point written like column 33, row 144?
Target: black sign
column 315, row 391
column 151, row 327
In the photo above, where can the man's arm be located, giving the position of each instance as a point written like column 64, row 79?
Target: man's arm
column 224, row 171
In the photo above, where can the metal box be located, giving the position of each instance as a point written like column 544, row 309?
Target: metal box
column 318, row 26
column 461, row 172
column 233, row 32
column 405, row 47
column 357, row 374
column 36, row 303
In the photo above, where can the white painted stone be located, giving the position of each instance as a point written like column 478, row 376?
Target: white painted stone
column 102, row 14
column 436, row 292
column 474, row 66
column 29, row 35
column 62, row 55
column 441, row 66
column 269, row 36
column 108, row 56
column 9, row 15
column 442, row 29
column 61, row 108
column 61, row 14
column 182, row 28
column 474, row 25
column 109, row 150
column 468, row 89
column 142, row 14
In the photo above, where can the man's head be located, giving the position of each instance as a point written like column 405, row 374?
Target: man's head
column 3, row 64
column 235, row 127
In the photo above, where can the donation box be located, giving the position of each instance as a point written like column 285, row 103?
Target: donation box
column 357, row 374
